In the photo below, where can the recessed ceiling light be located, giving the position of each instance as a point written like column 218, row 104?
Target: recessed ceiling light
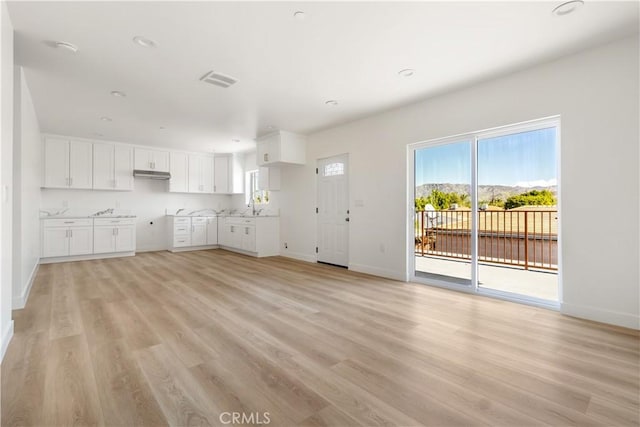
column 332, row 102
column 567, row 7
column 270, row 127
column 299, row 15
column 106, row 119
column 144, row 42
column 67, row 46
column 162, row 128
column 118, row 93
column 235, row 140
column 407, row 72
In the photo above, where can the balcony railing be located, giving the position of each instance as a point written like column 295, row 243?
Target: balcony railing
column 525, row 238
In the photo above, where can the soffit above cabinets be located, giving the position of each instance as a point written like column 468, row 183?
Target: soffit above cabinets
column 287, row 71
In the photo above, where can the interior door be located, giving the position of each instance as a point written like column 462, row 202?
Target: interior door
column 333, row 210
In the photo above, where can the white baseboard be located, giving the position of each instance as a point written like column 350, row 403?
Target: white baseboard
column 626, row 320
column 20, row 301
column 193, row 248
column 85, row 257
column 381, row 272
column 297, row 255
column 7, row 334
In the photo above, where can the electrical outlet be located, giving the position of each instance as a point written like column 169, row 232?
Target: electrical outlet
column 286, row 246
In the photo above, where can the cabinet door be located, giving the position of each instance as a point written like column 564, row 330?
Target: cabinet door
column 125, row 238
column 161, row 161
column 80, row 240
column 269, row 178
column 262, row 152
column 199, row 234
column 103, row 167
column 235, row 236
column 195, row 173
column 248, row 238
column 212, row 231
column 142, row 159
column 236, row 174
column 206, row 178
column 179, row 165
column 104, row 240
column 55, row 242
column 80, row 164
column 221, row 177
column 56, row 163
column 123, row 167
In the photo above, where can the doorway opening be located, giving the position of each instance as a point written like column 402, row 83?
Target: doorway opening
column 486, row 214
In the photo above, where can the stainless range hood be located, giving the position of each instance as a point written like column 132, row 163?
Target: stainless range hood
column 151, row 174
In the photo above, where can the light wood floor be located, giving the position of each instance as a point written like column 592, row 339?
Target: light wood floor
column 180, row 339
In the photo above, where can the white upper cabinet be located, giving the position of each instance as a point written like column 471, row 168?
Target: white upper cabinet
column 151, row 160
column 56, row 163
column 179, row 168
column 281, row 148
column 112, row 167
column 221, row 178
column 68, row 163
column 200, row 173
column 229, row 174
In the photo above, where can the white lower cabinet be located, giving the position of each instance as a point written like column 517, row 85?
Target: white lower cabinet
column 186, row 232
column 114, row 235
column 212, row 231
column 82, row 237
column 257, row 236
column 67, row 237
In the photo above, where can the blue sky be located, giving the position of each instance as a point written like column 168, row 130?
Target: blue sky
column 526, row 159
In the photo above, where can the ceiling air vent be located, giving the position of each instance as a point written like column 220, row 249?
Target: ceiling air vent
column 218, row 79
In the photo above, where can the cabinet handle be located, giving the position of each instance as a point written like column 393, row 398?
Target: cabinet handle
column 70, row 233
column 266, row 157
column 113, row 231
column 68, row 222
column 246, row 230
column 117, row 232
column 232, row 229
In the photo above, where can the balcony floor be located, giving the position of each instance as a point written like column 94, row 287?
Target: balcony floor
column 531, row 283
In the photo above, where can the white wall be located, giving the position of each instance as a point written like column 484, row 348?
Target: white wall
column 148, row 202
column 6, row 157
column 596, row 94
column 27, row 175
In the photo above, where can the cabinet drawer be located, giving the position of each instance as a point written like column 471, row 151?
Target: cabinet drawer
column 199, row 220
column 181, row 241
column 240, row 221
column 182, row 220
column 114, row 221
column 181, row 229
column 61, row 222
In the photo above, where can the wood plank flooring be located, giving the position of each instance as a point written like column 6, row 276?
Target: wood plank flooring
column 183, row 339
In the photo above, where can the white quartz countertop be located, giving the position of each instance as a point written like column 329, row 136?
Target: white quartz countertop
column 85, row 216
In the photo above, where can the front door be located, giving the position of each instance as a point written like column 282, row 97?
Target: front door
column 333, row 210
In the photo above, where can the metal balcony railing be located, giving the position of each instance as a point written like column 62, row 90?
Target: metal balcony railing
column 521, row 237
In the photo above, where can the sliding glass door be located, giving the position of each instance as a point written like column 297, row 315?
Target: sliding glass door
column 443, row 212
column 486, row 212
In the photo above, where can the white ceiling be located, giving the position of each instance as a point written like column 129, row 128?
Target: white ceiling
column 286, row 68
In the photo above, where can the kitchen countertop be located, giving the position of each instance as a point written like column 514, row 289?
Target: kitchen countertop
column 85, row 216
column 226, row 216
